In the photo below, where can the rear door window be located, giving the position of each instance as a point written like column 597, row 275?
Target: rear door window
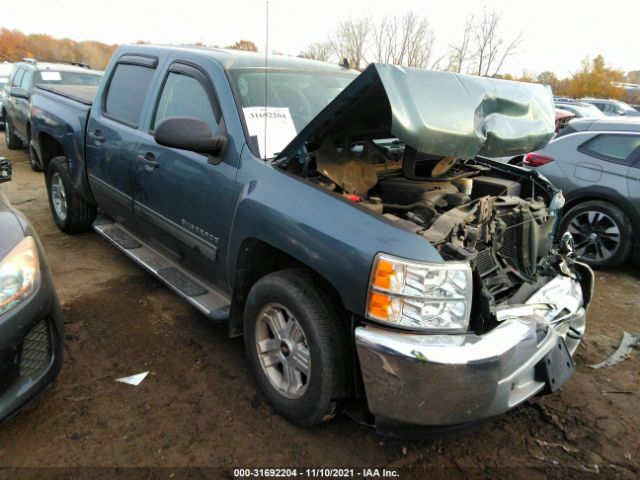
column 617, row 148
column 127, row 91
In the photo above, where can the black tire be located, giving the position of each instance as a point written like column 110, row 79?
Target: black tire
column 589, row 223
column 79, row 213
column 33, row 158
column 326, row 337
column 13, row 142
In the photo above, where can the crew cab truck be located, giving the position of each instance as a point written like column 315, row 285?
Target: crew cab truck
column 347, row 226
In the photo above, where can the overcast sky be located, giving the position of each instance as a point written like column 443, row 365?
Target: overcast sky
column 557, row 34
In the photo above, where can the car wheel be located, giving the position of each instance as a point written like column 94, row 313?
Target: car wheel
column 33, row 158
column 13, row 142
column 297, row 347
column 601, row 233
column 71, row 212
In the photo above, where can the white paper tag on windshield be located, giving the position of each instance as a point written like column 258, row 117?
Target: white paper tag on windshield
column 50, row 76
column 280, row 129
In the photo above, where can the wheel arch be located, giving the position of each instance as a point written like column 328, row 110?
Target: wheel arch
column 597, row 193
column 49, row 149
column 257, row 258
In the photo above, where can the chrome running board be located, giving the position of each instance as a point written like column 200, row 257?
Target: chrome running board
column 210, row 300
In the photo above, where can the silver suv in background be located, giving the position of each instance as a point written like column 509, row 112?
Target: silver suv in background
column 612, row 107
column 5, row 69
column 579, row 109
column 596, row 163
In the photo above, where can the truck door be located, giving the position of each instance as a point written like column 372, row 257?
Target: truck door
column 181, row 197
column 112, row 135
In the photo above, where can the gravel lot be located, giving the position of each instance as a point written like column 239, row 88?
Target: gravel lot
column 199, row 408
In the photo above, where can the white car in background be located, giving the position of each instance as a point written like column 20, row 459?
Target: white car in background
column 5, row 69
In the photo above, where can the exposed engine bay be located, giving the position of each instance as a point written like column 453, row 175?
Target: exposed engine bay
column 475, row 210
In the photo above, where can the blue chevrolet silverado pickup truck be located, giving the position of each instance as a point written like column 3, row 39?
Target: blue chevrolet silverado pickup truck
column 348, row 226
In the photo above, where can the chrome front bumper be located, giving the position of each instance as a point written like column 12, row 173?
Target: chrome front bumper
column 444, row 380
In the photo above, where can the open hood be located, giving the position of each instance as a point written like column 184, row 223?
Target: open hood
column 439, row 113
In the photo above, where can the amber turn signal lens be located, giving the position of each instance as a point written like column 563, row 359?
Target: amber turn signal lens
column 382, row 276
column 380, row 305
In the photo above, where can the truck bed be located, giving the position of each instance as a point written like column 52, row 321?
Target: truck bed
column 80, row 93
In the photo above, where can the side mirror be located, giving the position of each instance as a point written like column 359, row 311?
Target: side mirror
column 189, row 133
column 18, row 92
column 5, row 170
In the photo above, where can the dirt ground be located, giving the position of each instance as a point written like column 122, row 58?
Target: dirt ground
column 199, row 415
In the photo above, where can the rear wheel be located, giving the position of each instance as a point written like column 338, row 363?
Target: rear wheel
column 601, row 233
column 12, row 141
column 297, row 347
column 71, row 212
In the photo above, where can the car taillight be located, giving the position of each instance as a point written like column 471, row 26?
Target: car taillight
column 536, row 160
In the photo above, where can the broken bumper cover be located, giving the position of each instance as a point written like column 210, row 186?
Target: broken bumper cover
column 448, row 380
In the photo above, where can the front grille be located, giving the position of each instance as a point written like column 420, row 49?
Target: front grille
column 36, row 351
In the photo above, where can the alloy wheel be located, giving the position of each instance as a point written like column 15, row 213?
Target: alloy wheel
column 283, row 351
column 59, row 196
column 596, row 235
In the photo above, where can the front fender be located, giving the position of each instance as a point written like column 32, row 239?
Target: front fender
column 329, row 234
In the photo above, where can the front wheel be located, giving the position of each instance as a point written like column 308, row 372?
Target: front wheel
column 71, row 212
column 297, row 346
column 601, row 233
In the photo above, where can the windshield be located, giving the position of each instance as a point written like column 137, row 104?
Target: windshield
column 625, row 107
column 53, row 77
column 293, row 98
column 591, row 111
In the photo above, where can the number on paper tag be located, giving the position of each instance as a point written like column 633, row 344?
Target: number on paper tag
column 273, row 126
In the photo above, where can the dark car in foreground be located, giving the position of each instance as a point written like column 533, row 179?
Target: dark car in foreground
column 30, row 316
column 596, row 163
column 24, row 77
column 344, row 224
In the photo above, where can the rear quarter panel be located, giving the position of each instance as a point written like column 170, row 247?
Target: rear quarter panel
column 62, row 120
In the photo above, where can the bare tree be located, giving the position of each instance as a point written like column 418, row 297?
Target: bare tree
column 460, row 54
column 406, row 40
column 322, row 51
column 490, row 50
column 350, row 41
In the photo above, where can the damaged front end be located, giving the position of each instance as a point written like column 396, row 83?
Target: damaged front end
column 409, row 146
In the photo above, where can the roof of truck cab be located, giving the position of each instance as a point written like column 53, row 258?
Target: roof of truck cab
column 234, row 59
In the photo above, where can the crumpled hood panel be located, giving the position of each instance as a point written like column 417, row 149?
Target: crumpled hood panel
column 455, row 115
column 440, row 113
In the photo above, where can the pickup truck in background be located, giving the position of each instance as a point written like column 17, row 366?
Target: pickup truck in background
column 16, row 95
column 346, row 225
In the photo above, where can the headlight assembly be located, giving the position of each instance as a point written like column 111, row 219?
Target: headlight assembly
column 19, row 274
column 420, row 296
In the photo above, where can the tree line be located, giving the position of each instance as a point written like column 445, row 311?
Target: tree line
column 15, row 45
column 407, row 40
